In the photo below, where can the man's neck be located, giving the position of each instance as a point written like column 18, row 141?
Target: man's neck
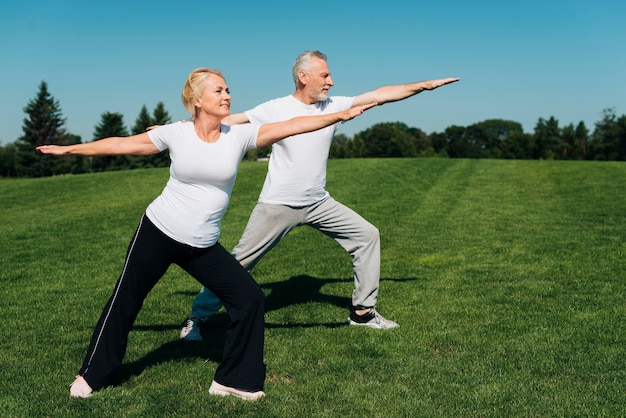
column 304, row 98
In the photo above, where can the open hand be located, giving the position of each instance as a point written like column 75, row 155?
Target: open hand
column 357, row 111
column 433, row 84
column 52, row 149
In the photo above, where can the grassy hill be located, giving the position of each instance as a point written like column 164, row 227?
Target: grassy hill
column 507, row 279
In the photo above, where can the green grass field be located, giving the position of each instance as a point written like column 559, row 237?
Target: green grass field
column 507, row 279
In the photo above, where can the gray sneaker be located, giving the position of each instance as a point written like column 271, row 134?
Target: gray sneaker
column 191, row 330
column 372, row 319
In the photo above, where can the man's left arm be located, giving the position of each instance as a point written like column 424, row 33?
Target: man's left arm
column 388, row 94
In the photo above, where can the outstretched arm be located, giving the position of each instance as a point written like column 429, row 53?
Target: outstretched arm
column 133, row 145
column 270, row 133
column 398, row 92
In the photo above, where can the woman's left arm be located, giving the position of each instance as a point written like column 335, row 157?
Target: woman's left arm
column 270, row 133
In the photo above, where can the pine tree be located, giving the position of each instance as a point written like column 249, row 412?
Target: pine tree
column 581, row 135
column 160, row 116
column 43, row 126
column 111, row 125
column 609, row 137
column 143, row 121
column 548, row 139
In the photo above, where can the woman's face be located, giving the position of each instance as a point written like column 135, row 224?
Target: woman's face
column 215, row 98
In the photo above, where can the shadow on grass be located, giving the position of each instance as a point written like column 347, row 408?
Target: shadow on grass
column 306, row 289
column 297, row 290
column 210, row 348
column 301, row 289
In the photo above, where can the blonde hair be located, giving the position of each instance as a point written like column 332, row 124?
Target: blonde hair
column 194, row 86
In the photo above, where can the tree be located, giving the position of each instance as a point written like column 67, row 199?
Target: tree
column 574, row 140
column 160, row 116
column 70, row 164
column 357, row 147
column 7, row 161
column 111, row 125
column 392, row 139
column 44, row 125
column 581, row 141
column 518, row 146
column 487, row 139
column 339, row 147
column 609, row 137
column 422, row 142
column 454, row 138
column 439, row 143
column 548, row 139
column 142, row 122
column 621, row 138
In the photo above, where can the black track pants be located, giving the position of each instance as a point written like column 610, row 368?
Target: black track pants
column 149, row 255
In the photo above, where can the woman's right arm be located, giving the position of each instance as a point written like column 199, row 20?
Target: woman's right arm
column 132, row 145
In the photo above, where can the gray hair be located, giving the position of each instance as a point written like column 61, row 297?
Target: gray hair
column 303, row 63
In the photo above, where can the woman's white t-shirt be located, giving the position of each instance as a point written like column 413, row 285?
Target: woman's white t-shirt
column 202, row 175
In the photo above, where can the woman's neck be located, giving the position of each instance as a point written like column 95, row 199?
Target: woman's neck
column 207, row 130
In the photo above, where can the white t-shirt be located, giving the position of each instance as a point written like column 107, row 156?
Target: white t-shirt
column 202, row 175
column 296, row 173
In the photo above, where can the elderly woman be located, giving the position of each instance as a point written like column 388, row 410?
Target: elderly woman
column 182, row 226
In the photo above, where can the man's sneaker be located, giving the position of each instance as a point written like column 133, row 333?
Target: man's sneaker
column 80, row 388
column 221, row 390
column 371, row 319
column 191, row 330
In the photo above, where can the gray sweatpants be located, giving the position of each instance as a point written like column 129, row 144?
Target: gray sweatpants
column 268, row 224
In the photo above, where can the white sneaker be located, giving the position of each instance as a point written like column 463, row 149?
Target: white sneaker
column 80, row 388
column 221, row 390
column 372, row 319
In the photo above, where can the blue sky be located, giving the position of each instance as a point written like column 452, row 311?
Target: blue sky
column 518, row 61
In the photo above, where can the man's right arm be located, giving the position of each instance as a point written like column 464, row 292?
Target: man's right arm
column 388, row 94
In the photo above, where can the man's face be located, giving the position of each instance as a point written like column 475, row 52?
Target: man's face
column 318, row 80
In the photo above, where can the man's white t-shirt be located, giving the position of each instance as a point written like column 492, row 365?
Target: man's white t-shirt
column 202, row 175
column 296, row 173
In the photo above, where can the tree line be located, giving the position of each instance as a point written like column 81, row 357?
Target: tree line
column 493, row 138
